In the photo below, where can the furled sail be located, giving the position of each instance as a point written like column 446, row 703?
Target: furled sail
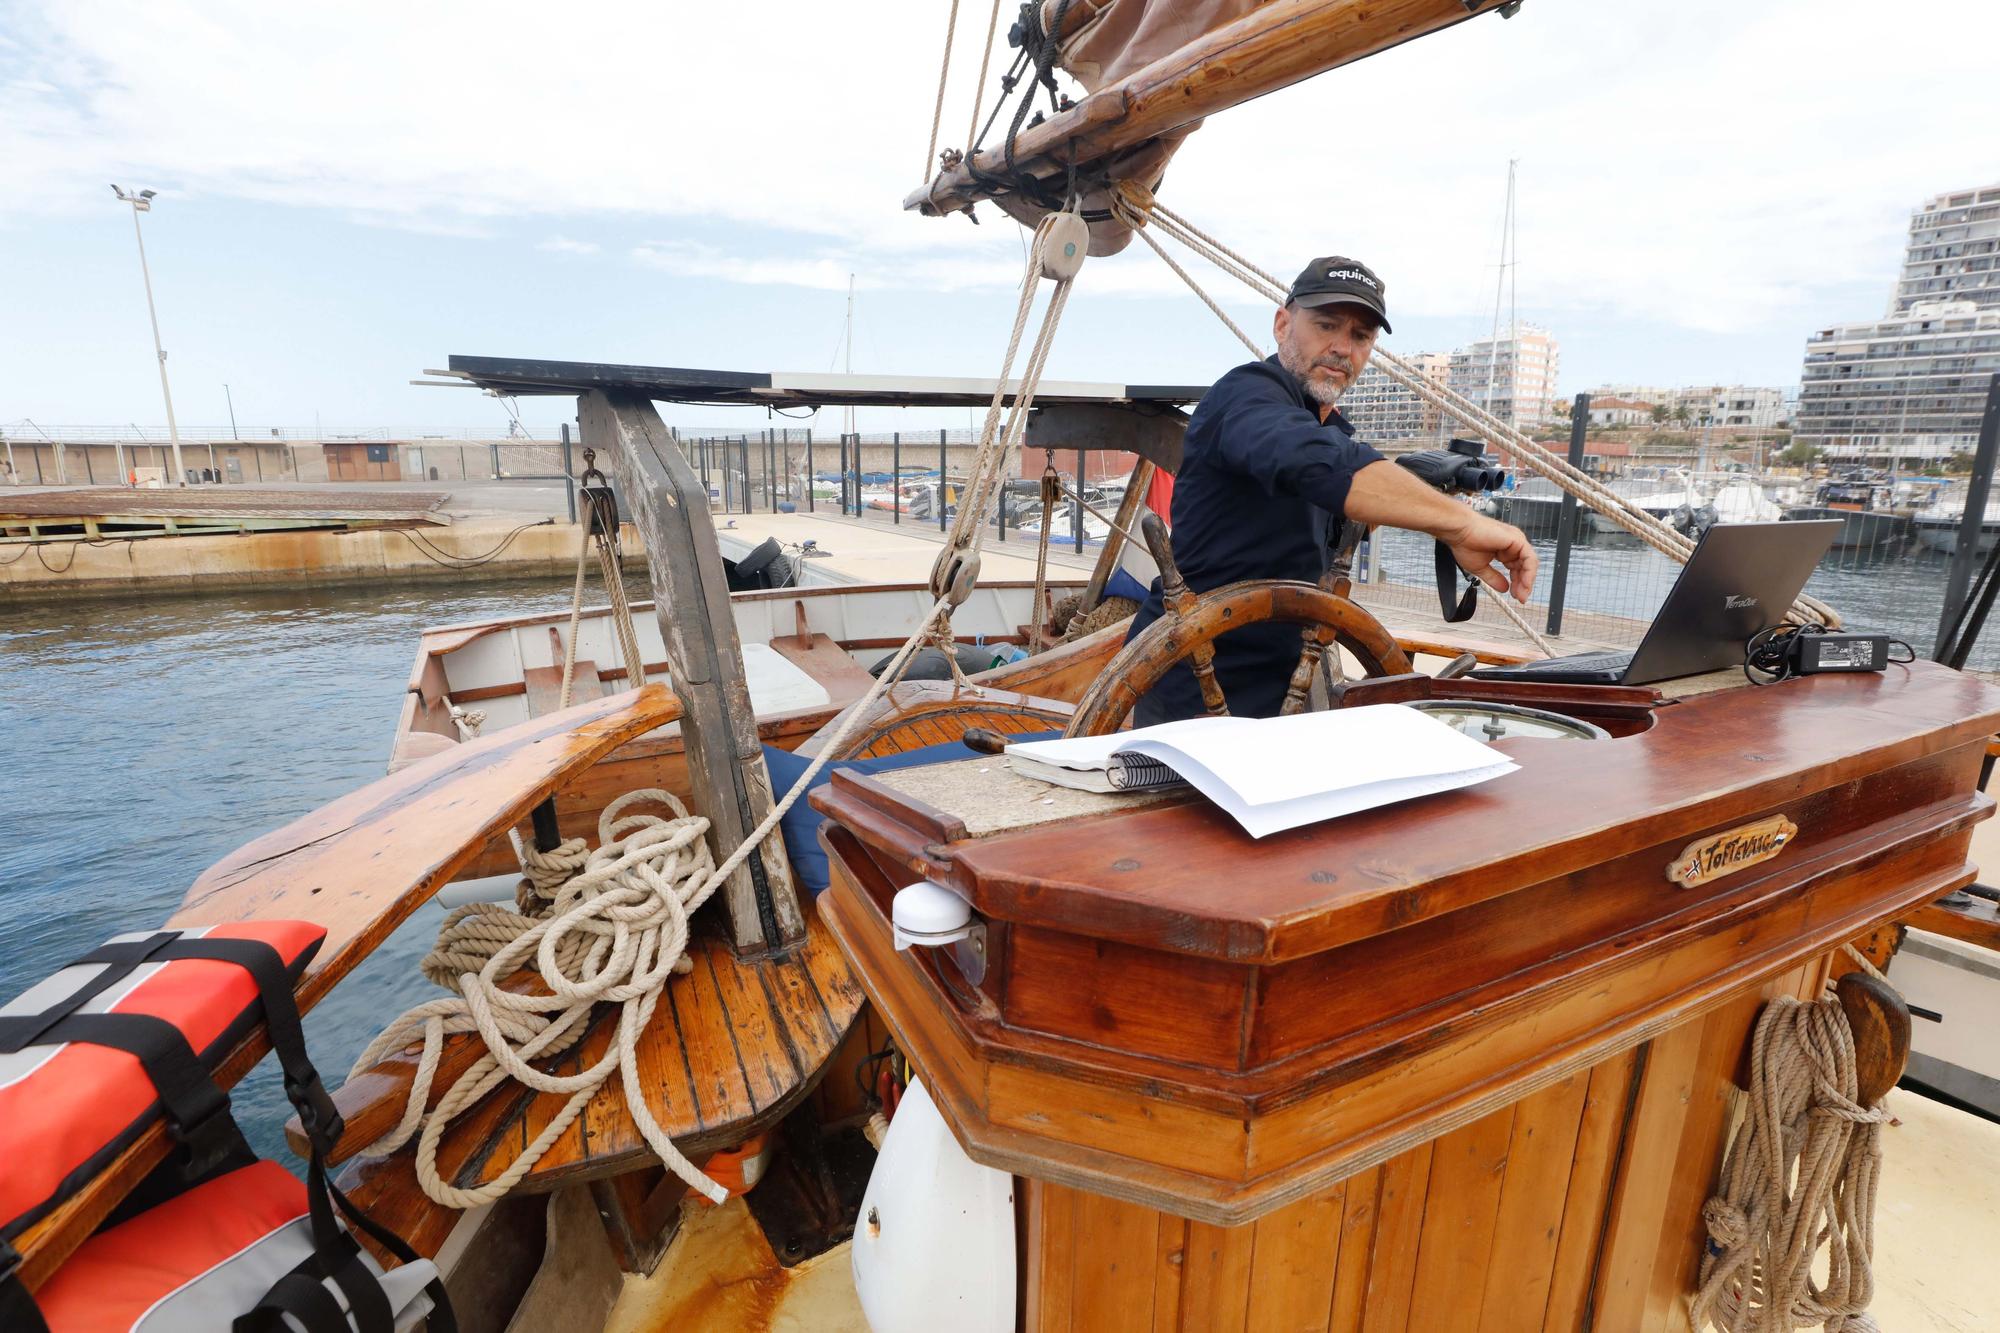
column 1152, row 69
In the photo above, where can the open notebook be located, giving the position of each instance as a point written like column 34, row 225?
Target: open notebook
column 1276, row 773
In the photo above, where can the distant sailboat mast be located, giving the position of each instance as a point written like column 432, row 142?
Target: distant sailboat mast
column 1508, row 258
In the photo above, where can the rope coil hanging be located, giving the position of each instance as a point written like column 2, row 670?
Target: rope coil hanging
column 1800, row 1176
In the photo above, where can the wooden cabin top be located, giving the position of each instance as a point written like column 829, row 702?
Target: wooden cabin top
column 765, row 388
column 1171, row 874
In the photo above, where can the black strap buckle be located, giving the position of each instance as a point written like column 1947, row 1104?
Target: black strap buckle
column 318, row 1115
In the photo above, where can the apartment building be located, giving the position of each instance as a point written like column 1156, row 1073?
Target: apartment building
column 1707, row 404
column 1383, row 411
column 1512, row 376
column 1953, row 252
column 1907, row 388
column 1911, row 386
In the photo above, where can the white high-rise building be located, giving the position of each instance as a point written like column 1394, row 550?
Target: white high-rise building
column 1383, row 411
column 1912, row 385
column 1512, row 376
column 1953, row 253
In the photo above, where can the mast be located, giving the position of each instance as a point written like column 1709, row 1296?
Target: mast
column 1500, row 286
column 847, row 366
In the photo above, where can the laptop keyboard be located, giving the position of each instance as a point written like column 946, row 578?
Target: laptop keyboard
column 1610, row 661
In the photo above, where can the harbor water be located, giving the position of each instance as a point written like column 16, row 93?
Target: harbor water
column 146, row 739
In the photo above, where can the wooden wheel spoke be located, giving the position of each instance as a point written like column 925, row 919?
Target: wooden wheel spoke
column 1203, row 660
column 1192, row 622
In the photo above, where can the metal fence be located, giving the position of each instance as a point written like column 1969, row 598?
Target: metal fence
column 1914, row 554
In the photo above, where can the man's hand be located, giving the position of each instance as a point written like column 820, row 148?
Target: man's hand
column 1385, row 493
column 1481, row 542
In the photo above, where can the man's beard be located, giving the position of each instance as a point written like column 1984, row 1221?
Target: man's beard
column 1324, row 392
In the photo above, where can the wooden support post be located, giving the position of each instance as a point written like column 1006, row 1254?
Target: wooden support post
column 811, row 506
column 669, row 504
column 1114, row 541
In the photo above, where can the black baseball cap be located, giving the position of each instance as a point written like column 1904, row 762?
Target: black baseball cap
column 1338, row 280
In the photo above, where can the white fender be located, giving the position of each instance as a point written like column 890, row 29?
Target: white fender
column 934, row 1246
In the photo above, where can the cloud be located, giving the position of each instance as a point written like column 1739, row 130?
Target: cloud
column 1708, row 165
column 563, row 245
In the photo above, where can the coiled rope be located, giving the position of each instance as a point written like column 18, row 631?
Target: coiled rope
column 1135, row 206
column 605, row 926
column 1800, row 1176
column 610, row 925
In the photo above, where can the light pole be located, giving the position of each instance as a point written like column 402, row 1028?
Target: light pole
column 142, row 202
column 232, row 412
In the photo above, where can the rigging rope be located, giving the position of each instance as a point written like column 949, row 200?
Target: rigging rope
column 1125, row 206
column 1800, row 1175
column 944, row 69
column 611, row 925
column 978, row 90
column 1134, row 205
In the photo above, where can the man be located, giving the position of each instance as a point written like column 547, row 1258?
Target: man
column 1269, row 470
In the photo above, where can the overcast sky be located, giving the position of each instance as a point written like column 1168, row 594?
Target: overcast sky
column 351, row 193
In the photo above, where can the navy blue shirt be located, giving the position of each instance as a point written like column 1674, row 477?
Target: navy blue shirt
column 1262, row 487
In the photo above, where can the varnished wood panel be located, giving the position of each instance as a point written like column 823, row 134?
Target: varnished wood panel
column 1114, row 1279
column 1461, row 1208
column 1606, row 1113
column 1294, row 1256
column 1188, row 1010
column 1392, row 1263
column 1360, row 1194
column 1502, row 1225
column 1540, row 1157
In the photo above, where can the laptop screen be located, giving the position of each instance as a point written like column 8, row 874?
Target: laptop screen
column 1742, row 578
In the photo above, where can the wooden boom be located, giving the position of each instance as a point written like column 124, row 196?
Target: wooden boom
column 1272, row 48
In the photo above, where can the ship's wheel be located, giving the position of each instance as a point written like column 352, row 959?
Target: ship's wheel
column 1193, row 622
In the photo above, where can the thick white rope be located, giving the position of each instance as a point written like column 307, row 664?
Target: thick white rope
column 468, row 721
column 944, row 69
column 606, row 926
column 575, row 615
column 978, row 89
column 623, row 630
column 1800, row 1176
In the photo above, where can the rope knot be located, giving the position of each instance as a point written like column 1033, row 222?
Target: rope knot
column 1728, row 1225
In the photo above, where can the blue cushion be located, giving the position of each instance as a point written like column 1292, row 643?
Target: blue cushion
column 1123, row 584
column 801, row 823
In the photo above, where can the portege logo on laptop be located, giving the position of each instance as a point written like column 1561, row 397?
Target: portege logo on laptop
column 1736, row 602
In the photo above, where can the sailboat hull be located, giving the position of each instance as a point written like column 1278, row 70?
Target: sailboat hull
column 1858, row 527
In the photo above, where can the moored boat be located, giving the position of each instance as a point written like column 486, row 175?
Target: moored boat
column 1864, row 507
column 1938, row 527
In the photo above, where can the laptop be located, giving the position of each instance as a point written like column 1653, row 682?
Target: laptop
column 1741, row 579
